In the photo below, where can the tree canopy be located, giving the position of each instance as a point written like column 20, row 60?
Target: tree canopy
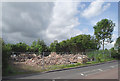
column 39, row 46
column 75, row 44
column 117, row 44
column 103, row 31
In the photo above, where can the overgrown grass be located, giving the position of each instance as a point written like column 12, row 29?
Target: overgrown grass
column 100, row 55
column 18, row 69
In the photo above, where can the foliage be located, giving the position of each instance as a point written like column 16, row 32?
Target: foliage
column 54, row 46
column 6, row 49
column 116, row 49
column 114, row 53
column 83, row 42
column 98, row 55
column 19, row 47
column 39, row 46
column 75, row 44
column 103, row 31
column 117, row 44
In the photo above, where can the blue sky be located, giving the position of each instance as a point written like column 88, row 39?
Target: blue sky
column 49, row 21
column 88, row 23
column 111, row 13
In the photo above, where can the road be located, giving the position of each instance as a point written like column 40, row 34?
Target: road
column 102, row 71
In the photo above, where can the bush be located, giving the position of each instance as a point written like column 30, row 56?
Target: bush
column 5, row 60
column 114, row 53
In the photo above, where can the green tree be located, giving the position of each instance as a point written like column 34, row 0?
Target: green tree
column 83, row 42
column 117, row 47
column 103, row 31
column 64, row 46
column 6, row 52
column 39, row 46
column 54, row 47
column 117, row 44
column 19, row 47
column 75, row 44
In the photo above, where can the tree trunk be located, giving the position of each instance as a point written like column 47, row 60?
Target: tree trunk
column 103, row 44
column 103, row 49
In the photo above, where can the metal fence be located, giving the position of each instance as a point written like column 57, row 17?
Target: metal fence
column 99, row 55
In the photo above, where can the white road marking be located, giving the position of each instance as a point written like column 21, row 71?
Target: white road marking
column 90, row 71
column 100, row 69
column 113, row 66
column 82, row 74
column 57, row 78
column 53, row 80
column 86, row 71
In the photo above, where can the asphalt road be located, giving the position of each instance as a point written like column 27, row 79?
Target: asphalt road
column 102, row 71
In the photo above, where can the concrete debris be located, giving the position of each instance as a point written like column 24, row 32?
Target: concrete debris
column 52, row 59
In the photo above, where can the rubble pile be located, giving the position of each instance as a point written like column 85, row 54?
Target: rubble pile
column 22, row 57
column 52, row 59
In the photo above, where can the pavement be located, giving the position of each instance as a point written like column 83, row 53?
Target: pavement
column 108, row 70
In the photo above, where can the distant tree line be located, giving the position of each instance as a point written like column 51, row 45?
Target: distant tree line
column 75, row 44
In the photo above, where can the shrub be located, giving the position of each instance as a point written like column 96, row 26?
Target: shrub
column 5, row 59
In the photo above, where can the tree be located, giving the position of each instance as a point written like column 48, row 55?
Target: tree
column 64, row 46
column 19, row 47
column 39, row 46
column 103, row 31
column 83, row 42
column 117, row 47
column 6, row 52
column 117, row 44
column 54, row 47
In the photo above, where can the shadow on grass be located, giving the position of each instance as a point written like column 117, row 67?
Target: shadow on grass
column 17, row 68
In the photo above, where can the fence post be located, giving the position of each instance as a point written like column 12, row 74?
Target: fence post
column 43, row 60
column 103, row 55
column 95, row 55
column 110, row 54
column 82, row 57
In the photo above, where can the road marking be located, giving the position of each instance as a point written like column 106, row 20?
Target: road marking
column 86, row 71
column 113, row 66
column 100, row 69
column 82, row 74
column 57, row 78
column 90, row 71
column 53, row 80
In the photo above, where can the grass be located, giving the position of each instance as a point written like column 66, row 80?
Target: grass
column 21, row 68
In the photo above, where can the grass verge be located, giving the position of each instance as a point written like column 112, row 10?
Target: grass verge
column 21, row 68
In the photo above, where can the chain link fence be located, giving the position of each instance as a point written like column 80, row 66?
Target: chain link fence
column 58, row 60
column 98, row 55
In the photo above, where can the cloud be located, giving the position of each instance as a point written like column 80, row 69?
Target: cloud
column 63, row 21
column 82, row 6
column 25, row 22
column 95, row 9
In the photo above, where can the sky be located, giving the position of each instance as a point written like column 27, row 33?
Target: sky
column 49, row 21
